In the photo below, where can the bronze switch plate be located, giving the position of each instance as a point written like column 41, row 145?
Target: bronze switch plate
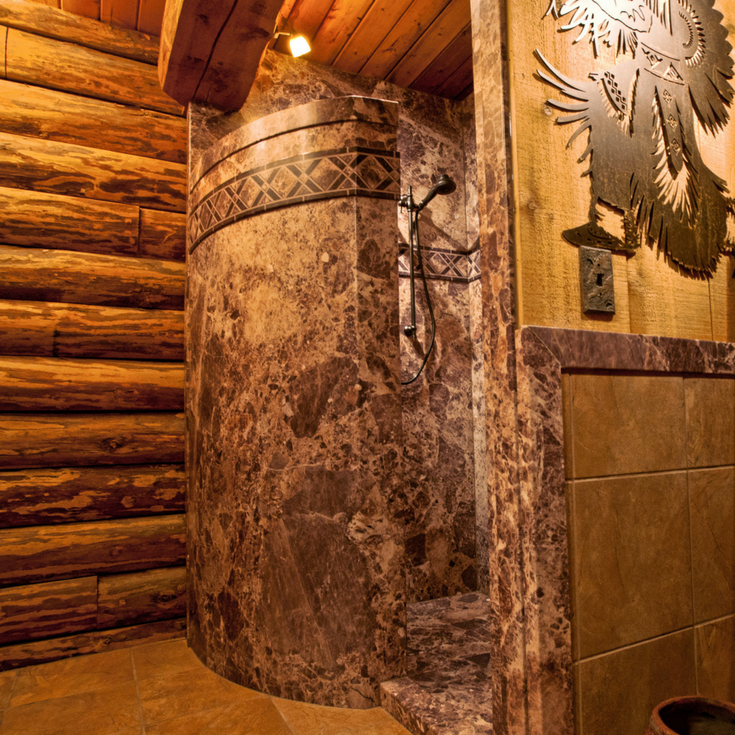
column 596, row 280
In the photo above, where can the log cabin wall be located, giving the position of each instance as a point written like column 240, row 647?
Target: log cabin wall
column 92, row 202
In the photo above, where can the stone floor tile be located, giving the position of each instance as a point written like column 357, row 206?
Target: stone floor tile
column 72, row 676
column 7, row 678
column 110, row 711
column 257, row 716
column 164, row 659
column 311, row 719
column 188, row 692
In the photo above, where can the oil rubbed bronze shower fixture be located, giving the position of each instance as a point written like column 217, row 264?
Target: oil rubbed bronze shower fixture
column 444, row 185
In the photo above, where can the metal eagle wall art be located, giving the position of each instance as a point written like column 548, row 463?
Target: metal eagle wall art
column 643, row 152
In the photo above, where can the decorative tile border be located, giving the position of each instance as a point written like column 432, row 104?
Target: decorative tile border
column 444, row 265
column 341, row 172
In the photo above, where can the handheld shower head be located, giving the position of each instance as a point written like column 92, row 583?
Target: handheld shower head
column 444, row 185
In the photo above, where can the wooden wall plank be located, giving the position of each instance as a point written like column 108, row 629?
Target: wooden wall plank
column 340, row 22
column 409, row 28
column 38, row 219
column 48, row 609
column 88, row 439
column 85, row 8
column 141, row 597
column 38, row 652
column 457, row 53
column 85, row 278
column 363, row 43
column 190, row 28
column 68, row 118
column 60, row 384
column 57, row 24
column 235, row 57
column 121, row 13
column 75, row 170
column 162, row 235
column 71, row 494
column 150, row 16
column 41, row 553
column 3, row 44
column 448, row 25
column 58, row 330
column 72, row 68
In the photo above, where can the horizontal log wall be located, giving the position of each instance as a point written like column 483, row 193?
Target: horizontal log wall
column 92, row 280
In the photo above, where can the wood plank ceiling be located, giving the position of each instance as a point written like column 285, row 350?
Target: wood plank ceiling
column 140, row 15
column 420, row 44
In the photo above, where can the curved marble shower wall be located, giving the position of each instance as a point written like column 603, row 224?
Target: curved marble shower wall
column 296, row 548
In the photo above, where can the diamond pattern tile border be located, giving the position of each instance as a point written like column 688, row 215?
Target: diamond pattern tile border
column 444, row 265
column 342, row 172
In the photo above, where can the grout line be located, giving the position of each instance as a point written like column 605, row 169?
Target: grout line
column 718, row 619
column 652, row 473
column 4, row 707
column 137, row 693
column 691, row 540
column 628, row 646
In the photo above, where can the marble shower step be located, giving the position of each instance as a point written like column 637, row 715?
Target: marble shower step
column 448, row 687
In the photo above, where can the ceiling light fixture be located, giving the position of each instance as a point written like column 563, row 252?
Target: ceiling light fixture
column 297, row 43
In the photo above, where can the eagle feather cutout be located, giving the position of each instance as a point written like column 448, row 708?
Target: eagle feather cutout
column 643, row 155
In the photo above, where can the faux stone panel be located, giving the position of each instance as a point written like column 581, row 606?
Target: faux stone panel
column 627, row 423
column 710, row 405
column 716, row 659
column 618, row 691
column 632, row 565
column 712, row 499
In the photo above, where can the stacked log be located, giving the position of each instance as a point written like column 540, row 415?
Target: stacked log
column 92, row 243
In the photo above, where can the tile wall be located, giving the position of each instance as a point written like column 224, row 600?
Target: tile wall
column 650, row 468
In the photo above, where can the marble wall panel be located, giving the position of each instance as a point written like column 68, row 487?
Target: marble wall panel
column 295, row 443
column 435, row 136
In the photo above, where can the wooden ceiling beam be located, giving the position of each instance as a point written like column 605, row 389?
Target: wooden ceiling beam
column 210, row 52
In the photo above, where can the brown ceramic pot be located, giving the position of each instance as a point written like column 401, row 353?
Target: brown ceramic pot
column 692, row 716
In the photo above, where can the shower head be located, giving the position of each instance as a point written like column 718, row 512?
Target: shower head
column 444, row 185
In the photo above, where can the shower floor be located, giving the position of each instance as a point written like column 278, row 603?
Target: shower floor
column 448, row 687
column 161, row 689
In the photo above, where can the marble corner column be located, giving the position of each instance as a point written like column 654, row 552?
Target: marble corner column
column 296, row 549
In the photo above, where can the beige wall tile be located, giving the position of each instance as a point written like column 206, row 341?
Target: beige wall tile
column 716, row 659
column 627, row 423
column 619, row 690
column 710, row 409
column 712, row 498
column 631, row 565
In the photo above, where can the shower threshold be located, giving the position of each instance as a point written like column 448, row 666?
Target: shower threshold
column 447, row 690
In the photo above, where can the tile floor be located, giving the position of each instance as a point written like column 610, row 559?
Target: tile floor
column 161, row 689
